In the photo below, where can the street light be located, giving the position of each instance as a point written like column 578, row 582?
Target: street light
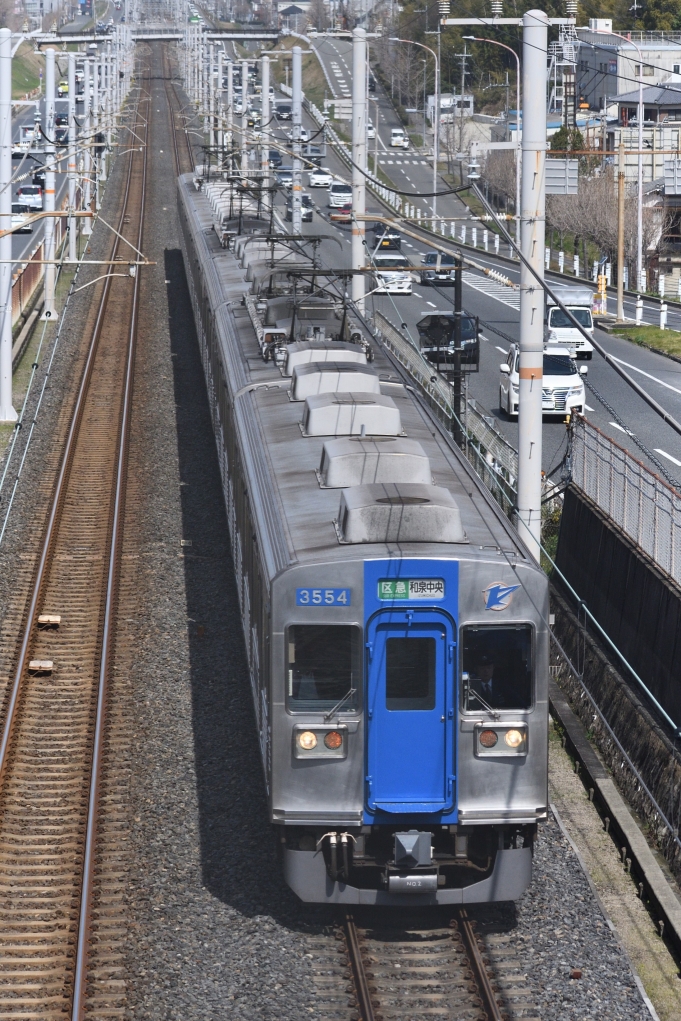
column 494, row 42
column 436, row 116
column 639, row 208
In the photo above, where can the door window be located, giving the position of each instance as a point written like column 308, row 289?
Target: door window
column 323, row 667
column 410, row 674
column 496, row 667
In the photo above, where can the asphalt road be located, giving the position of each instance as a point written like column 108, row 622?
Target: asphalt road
column 611, row 403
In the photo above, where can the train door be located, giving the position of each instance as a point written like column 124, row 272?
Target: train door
column 410, row 711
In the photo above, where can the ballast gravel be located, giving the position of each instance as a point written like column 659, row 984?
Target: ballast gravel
column 214, row 931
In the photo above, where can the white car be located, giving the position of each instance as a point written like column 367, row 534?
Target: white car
column 392, row 273
column 399, row 139
column 562, row 383
column 320, row 178
column 339, row 194
column 19, row 216
column 371, row 130
column 304, row 135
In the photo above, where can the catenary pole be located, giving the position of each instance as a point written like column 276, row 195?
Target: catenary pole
column 359, row 159
column 7, row 412
column 297, row 123
column 532, row 234
column 49, row 308
column 265, row 130
column 86, row 135
column 72, row 164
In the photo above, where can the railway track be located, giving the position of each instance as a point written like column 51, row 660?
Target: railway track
column 62, row 808
column 184, row 155
column 420, row 967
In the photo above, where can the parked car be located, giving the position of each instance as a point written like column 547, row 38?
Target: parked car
column 320, row 178
column 19, row 216
column 439, row 269
column 562, row 382
column 339, row 194
column 342, row 214
column 30, row 196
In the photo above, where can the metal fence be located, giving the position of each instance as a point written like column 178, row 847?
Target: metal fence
column 638, row 501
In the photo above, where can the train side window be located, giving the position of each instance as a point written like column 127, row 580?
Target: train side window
column 410, row 674
column 324, row 667
column 496, row 667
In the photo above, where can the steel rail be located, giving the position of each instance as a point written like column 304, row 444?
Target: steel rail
column 482, row 979
column 80, row 972
column 361, row 982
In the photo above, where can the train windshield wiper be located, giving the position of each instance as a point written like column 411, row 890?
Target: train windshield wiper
column 476, row 695
column 337, row 706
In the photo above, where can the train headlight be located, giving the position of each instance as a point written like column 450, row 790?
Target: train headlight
column 333, row 739
column 514, row 738
column 307, row 740
column 488, row 738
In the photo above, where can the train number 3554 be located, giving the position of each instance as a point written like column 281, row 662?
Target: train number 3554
column 323, row 596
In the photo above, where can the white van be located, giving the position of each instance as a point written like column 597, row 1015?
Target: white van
column 398, row 139
column 392, row 273
column 562, row 383
column 340, row 194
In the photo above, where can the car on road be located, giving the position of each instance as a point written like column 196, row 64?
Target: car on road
column 438, row 341
column 371, row 130
column 284, row 111
column 392, row 273
column 339, row 194
column 372, row 83
column 342, row 214
column 63, row 88
column 320, row 178
column 19, row 216
column 438, row 269
column 399, row 139
column 307, row 208
column 562, row 382
column 313, row 154
column 284, row 177
column 30, row 196
column 274, row 157
column 385, row 237
column 304, row 135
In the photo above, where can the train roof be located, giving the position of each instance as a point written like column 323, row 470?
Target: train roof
column 298, row 518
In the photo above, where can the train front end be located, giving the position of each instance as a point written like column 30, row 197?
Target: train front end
column 409, row 728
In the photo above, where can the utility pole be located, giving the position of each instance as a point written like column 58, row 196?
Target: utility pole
column 72, row 164
column 457, row 431
column 244, row 116
column 620, row 235
column 359, row 160
column 86, row 135
column 7, row 412
column 49, row 309
column 297, row 123
column 464, row 57
column 532, row 236
column 265, row 132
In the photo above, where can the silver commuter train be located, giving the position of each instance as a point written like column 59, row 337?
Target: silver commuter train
column 395, row 626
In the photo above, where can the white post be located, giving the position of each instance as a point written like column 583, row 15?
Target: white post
column 297, row 122
column 7, row 412
column 72, row 164
column 244, row 115
column 639, row 310
column 532, row 235
column 265, row 132
column 86, row 137
column 561, row 262
column 359, row 158
column 95, row 129
column 663, row 315
column 661, row 284
column 49, row 309
column 575, row 264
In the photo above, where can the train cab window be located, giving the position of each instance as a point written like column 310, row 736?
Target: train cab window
column 496, row 667
column 323, row 667
column 410, row 674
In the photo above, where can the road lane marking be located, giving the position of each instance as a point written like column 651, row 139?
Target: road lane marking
column 646, row 374
column 503, row 350
column 668, row 456
column 500, row 292
column 588, row 408
column 431, row 304
column 619, row 427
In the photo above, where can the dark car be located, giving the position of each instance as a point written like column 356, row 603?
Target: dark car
column 440, row 269
column 313, row 154
column 61, row 137
column 284, row 111
column 61, row 120
column 275, row 159
column 39, row 177
column 372, row 83
column 307, row 207
column 436, row 334
column 386, row 237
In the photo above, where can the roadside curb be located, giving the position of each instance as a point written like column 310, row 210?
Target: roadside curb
column 637, row 856
column 612, row 331
column 23, row 340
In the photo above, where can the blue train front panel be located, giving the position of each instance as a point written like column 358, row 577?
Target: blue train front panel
column 410, row 611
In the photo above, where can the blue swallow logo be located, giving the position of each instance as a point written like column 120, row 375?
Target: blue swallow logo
column 498, row 596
